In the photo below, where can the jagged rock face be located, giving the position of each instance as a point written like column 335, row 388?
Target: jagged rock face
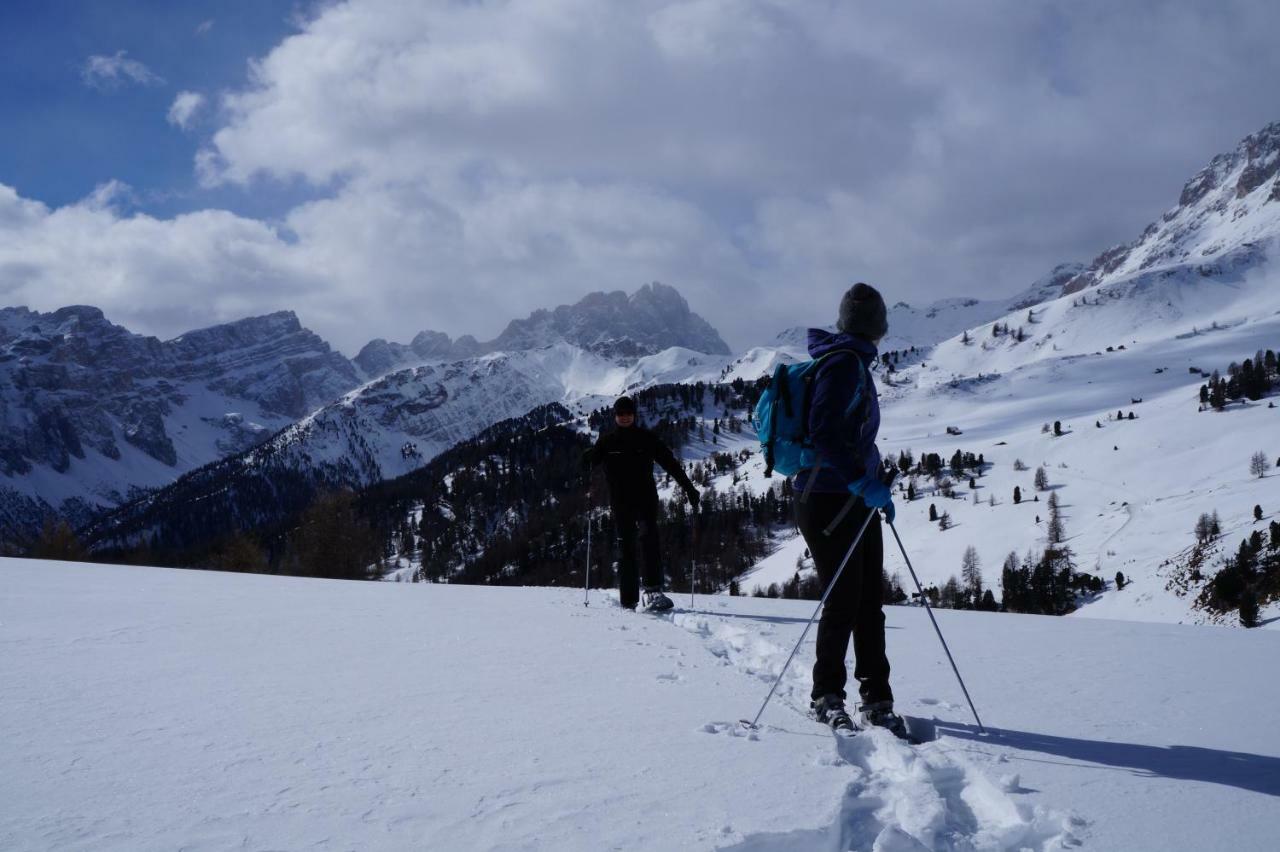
column 72, row 382
column 271, row 360
column 66, row 379
column 1226, row 209
column 612, row 325
column 654, row 318
column 379, row 357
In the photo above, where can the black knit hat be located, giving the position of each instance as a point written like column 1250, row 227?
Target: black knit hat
column 862, row 312
column 624, row 405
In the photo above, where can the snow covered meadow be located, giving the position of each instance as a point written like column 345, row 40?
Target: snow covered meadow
column 150, row 708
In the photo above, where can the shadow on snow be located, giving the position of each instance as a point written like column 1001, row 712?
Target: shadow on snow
column 1255, row 772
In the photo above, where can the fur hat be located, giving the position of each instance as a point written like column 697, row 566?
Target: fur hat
column 862, row 312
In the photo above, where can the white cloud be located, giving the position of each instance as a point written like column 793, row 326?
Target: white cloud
column 184, row 108
column 116, row 70
column 161, row 276
column 204, row 27
column 475, row 161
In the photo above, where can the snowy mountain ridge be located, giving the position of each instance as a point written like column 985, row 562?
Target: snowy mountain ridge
column 173, row 406
column 615, row 325
column 92, row 412
column 1229, row 206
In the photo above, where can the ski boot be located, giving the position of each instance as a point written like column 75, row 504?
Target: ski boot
column 829, row 710
column 879, row 714
column 655, row 601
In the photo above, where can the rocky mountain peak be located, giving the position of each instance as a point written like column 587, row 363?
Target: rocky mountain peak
column 1228, row 209
column 653, row 318
column 250, row 331
column 72, row 383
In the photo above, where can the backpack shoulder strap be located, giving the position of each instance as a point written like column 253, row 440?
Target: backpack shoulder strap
column 812, row 378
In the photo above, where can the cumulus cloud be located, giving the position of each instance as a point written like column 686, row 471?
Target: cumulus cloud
column 475, row 161
column 184, row 108
column 112, row 72
column 162, row 276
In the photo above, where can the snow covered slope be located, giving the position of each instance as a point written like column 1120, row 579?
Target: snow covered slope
column 149, row 708
column 1199, row 290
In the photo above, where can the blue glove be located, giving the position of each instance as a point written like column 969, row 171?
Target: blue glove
column 875, row 494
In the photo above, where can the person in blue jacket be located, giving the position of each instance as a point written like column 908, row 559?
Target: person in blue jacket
column 844, row 418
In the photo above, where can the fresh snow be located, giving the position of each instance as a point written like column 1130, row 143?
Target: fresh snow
column 150, row 708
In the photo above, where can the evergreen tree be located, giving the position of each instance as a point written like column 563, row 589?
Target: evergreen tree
column 944, row 522
column 950, row 597
column 1257, row 513
column 1120, row 581
column 1057, row 428
column 1012, row 584
column 1017, row 495
column 933, row 512
column 1249, row 608
column 1217, row 391
column 1042, row 479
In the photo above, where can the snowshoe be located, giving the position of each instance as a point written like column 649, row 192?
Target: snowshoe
column 879, row 714
column 829, row 710
column 655, row 601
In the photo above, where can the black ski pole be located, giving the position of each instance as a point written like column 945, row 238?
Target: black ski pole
column 848, row 555
column 693, row 563
column 586, row 583
column 929, row 610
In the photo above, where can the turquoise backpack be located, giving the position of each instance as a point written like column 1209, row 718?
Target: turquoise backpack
column 782, row 415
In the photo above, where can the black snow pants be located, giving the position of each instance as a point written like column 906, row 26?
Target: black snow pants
column 637, row 524
column 855, row 606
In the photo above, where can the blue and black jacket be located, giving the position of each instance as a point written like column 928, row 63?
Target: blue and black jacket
column 844, row 416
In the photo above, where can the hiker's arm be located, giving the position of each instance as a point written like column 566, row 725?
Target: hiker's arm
column 667, row 461
column 594, row 454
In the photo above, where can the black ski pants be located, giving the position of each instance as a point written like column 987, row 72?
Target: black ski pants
column 855, row 606
column 637, row 524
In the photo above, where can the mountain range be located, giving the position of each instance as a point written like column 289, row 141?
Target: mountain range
column 268, row 409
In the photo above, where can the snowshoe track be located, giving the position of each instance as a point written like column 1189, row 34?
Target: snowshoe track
column 901, row 798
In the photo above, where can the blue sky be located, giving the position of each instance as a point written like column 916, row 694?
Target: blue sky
column 397, row 166
column 62, row 138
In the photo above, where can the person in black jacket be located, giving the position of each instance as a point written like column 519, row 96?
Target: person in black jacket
column 628, row 454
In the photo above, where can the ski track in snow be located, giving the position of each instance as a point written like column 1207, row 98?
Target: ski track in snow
column 901, row 798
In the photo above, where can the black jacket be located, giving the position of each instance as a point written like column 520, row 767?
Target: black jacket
column 628, row 456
